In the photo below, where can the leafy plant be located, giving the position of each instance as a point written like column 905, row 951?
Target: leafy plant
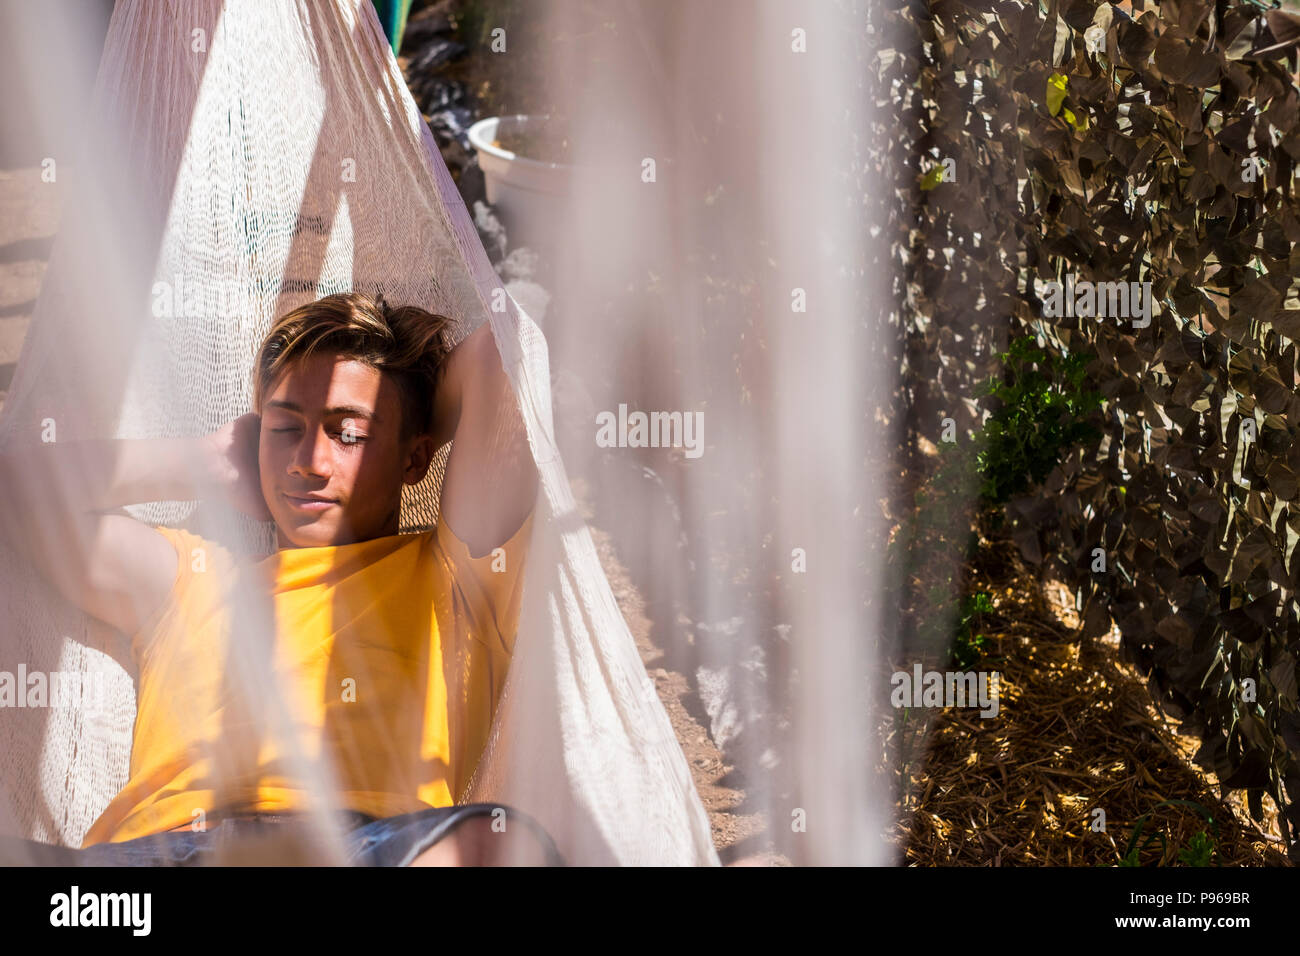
column 1043, row 409
column 1042, row 412
column 968, row 646
column 1198, row 852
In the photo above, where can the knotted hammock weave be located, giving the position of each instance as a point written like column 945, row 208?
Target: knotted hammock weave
column 244, row 158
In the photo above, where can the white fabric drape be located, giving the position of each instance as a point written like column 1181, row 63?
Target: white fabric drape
column 244, row 158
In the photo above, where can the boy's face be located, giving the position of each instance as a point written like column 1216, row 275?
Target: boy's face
column 332, row 466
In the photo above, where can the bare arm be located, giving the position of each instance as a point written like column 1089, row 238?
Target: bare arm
column 491, row 480
column 112, row 566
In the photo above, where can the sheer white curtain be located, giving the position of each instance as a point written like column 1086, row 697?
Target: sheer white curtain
column 243, row 158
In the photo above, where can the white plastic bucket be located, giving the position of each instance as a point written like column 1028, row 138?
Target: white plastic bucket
column 528, row 193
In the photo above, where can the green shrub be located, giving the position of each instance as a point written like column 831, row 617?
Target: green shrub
column 1043, row 410
column 968, row 647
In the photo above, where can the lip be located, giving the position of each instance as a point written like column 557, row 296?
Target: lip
column 308, row 504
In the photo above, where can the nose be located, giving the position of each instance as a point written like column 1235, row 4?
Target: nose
column 312, row 455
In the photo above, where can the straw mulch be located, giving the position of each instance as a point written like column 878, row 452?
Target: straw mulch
column 1077, row 730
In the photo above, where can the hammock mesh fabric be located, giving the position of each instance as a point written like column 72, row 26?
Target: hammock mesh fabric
column 245, row 158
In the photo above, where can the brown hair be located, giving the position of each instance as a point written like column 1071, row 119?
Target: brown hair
column 404, row 342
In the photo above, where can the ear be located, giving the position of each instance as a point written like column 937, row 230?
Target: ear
column 418, row 458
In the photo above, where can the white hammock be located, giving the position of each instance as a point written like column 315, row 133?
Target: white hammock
column 247, row 157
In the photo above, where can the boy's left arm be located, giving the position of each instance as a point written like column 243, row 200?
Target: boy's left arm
column 491, row 480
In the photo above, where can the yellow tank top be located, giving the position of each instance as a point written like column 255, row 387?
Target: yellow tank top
column 389, row 656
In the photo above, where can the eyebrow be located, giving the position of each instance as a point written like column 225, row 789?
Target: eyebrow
column 354, row 411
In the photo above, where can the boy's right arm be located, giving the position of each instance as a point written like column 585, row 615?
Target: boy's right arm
column 112, row 566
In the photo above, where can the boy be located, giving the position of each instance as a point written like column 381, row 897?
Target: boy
column 391, row 649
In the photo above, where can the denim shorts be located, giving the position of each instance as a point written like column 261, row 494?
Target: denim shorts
column 390, row 841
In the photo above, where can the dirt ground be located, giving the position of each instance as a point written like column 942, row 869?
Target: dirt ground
column 740, row 838
column 1079, row 733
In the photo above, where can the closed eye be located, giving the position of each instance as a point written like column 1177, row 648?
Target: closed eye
column 343, row 436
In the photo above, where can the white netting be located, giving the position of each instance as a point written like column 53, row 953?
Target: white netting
column 247, row 157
